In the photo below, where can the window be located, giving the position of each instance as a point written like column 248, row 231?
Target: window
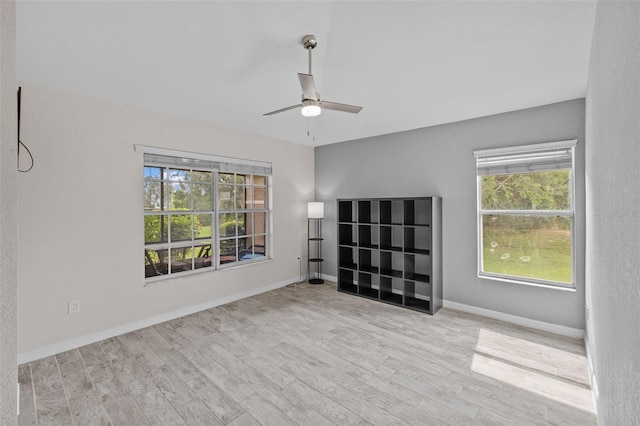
column 243, row 217
column 178, row 214
column 202, row 212
column 526, row 214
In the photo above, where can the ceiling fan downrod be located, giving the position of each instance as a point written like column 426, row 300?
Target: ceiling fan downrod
column 309, row 42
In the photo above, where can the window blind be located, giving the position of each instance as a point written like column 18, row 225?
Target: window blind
column 525, row 158
column 183, row 159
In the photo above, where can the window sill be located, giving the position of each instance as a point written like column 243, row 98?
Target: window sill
column 149, row 282
column 514, row 280
column 244, row 264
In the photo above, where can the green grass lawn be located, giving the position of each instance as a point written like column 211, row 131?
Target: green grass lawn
column 540, row 253
column 205, row 231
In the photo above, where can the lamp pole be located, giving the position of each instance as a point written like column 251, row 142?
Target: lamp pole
column 315, row 215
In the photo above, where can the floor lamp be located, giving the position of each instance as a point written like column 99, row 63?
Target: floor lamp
column 315, row 214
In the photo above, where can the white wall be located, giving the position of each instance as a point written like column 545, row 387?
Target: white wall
column 8, row 214
column 613, row 211
column 439, row 161
column 80, row 233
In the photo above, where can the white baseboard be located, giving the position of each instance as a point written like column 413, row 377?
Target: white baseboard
column 526, row 322
column 112, row 332
column 330, row 278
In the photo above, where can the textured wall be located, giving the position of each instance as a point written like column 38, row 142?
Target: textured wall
column 8, row 217
column 439, row 161
column 613, row 211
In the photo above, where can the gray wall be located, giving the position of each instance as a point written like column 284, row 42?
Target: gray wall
column 8, row 214
column 439, row 161
column 613, row 211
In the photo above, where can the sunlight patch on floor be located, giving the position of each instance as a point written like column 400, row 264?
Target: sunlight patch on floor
column 549, row 372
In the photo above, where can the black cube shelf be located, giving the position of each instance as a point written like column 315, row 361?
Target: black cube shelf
column 390, row 249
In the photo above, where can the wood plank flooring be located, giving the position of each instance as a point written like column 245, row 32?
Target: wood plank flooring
column 309, row 355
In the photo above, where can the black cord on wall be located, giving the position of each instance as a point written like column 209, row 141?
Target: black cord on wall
column 19, row 141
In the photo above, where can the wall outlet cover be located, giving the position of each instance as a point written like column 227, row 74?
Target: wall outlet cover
column 74, row 307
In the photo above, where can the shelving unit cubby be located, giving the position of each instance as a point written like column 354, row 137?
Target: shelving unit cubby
column 390, row 249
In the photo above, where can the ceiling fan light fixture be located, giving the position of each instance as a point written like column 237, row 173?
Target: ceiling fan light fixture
column 311, row 108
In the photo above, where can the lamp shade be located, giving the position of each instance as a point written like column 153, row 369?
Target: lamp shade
column 315, row 210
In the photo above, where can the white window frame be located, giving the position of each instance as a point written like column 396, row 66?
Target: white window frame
column 162, row 157
column 169, row 245
column 539, row 157
column 257, row 255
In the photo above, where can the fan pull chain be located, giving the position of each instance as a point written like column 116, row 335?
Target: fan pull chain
column 313, row 138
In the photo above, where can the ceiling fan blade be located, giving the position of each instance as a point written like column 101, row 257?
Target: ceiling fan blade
column 308, row 86
column 283, row 109
column 340, row 107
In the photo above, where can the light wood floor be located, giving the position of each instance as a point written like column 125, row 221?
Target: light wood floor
column 308, row 355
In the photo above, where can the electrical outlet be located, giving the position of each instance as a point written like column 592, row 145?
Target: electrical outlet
column 74, row 307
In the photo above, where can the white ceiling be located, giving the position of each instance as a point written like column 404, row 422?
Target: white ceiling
column 409, row 64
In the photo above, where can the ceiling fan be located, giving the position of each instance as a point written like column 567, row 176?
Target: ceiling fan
column 311, row 104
